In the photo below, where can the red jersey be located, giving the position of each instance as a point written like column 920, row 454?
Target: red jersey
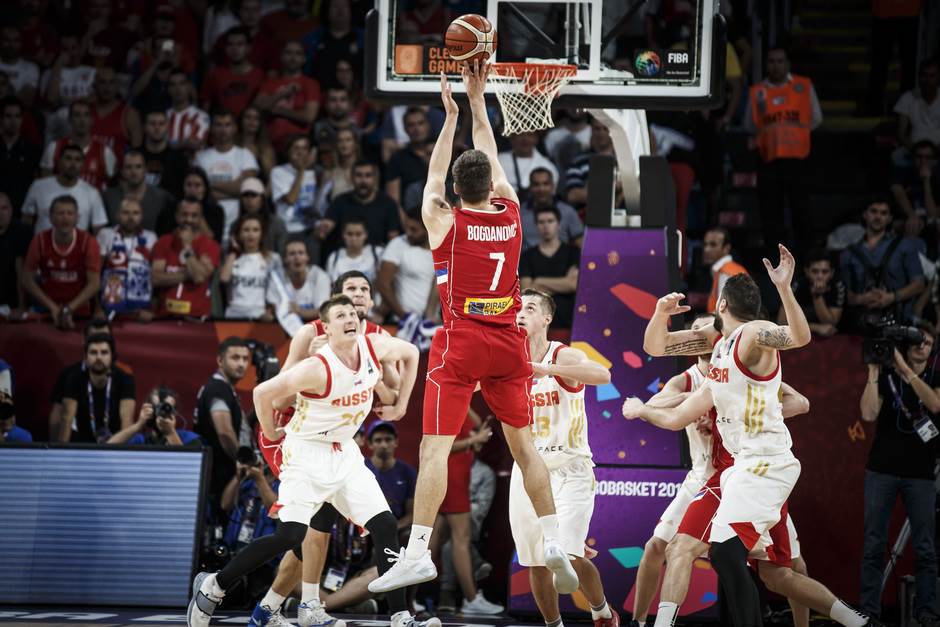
column 94, row 167
column 187, row 298
column 63, row 271
column 477, row 265
column 109, row 129
column 290, row 92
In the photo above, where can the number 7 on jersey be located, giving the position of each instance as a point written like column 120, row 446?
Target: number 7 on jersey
column 500, row 260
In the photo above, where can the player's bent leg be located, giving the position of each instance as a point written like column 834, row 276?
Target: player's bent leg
column 267, row 612
column 208, row 589
column 729, row 559
column 681, row 553
column 590, row 583
column 809, row 592
column 545, row 595
column 800, row 612
column 312, row 611
column 647, row 577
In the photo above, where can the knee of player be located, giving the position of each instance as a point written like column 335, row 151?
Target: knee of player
column 774, row 577
column 799, row 566
column 383, row 527
column 727, row 554
column 291, row 533
column 435, row 447
column 655, row 546
column 680, row 550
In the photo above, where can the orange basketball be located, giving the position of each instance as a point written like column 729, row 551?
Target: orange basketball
column 471, row 37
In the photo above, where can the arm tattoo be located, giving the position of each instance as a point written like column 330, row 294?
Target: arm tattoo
column 688, row 347
column 774, row 338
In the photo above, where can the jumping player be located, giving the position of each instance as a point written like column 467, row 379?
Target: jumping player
column 561, row 438
column 476, row 249
column 743, row 383
column 321, row 462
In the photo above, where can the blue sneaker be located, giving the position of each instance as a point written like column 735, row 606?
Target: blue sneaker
column 263, row 617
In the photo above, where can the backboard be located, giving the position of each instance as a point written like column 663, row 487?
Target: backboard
column 630, row 54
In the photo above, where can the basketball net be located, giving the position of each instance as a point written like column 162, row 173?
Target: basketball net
column 525, row 92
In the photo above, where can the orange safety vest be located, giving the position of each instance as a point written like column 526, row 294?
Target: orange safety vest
column 783, row 115
column 730, row 268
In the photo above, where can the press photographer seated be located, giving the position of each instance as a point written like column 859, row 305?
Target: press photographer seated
column 903, row 395
column 156, row 423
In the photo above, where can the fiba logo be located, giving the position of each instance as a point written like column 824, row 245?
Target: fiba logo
column 648, row 63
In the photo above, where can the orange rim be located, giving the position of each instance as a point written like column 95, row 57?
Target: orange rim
column 519, row 70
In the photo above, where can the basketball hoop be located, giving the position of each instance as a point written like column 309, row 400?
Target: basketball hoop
column 525, row 92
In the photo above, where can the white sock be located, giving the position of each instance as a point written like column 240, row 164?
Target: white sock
column 555, row 623
column 549, row 527
column 210, row 588
column 601, row 612
column 418, row 541
column 666, row 616
column 845, row 615
column 309, row 592
column 272, row 600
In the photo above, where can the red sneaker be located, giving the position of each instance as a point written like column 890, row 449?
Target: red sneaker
column 613, row 621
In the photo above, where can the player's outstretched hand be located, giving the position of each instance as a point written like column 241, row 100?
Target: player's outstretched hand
column 632, row 408
column 669, row 304
column 447, row 97
column 474, row 78
column 390, row 413
column 782, row 275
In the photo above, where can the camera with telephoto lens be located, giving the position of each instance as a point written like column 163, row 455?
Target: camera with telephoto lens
column 883, row 336
column 247, row 456
column 264, row 359
column 163, row 408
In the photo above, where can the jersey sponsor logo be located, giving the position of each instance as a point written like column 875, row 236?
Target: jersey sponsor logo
column 486, row 233
column 545, row 399
column 718, row 375
column 350, row 400
column 487, row 306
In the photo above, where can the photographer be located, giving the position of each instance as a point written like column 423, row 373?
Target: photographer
column 9, row 432
column 246, row 499
column 156, row 423
column 904, row 399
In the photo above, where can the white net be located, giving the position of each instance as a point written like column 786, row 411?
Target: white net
column 525, row 92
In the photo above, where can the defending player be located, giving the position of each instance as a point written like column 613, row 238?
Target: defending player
column 561, row 438
column 321, row 462
column 476, row 249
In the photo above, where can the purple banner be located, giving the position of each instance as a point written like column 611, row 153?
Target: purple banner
column 627, row 505
column 623, row 273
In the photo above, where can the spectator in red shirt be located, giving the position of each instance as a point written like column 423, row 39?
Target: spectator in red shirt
column 291, row 100
column 234, row 86
column 67, row 261
column 188, row 125
column 290, row 23
column 183, row 263
column 99, row 164
column 114, row 122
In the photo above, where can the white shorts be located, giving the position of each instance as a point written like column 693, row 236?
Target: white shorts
column 669, row 522
column 753, row 492
column 573, row 491
column 313, row 473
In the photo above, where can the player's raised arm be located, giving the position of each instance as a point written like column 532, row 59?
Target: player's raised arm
column 794, row 334
column 696, row 404
column 390, row 350
column 672, row 394
column 310, row 374
column 474, row 78
column 574, row 367
column 659, row 341
column 435, row 210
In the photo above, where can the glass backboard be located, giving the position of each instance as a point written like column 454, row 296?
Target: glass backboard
column 640, row 54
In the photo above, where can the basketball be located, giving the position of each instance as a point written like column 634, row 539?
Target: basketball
column 471, row 37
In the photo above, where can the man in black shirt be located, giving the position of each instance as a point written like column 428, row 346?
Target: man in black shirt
column 165, row 166
column 904, row 399
column 14, row 243
column 820, row 294
column 98, row 400
column 218, row 417
column 19, row 158
column 366, row 203
column 410, row 164
column 552, row 266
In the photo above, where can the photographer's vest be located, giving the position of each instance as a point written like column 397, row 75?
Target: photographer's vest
column 783, row 116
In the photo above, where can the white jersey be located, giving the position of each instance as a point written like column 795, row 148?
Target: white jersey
column 700, row 445
column 336, row 415
column 559, row 422
column 750, row 415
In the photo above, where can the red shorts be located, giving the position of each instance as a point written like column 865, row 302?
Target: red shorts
column 463, row 353
column 697, row 522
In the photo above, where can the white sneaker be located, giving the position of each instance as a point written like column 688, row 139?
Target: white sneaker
column 404, row 619
column 202, row 605
column 314, row 615
column 404, row 572
column 479, row 605
column 563, row 575
column 277, row 620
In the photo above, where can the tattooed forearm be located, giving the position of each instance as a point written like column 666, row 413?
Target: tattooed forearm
column 774, row 338
column 688, row 347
